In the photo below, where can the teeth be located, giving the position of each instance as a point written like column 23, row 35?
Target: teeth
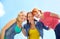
column 37, row 18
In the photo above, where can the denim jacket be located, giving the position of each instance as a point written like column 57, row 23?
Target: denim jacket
column 10, row 32
column 39, row 26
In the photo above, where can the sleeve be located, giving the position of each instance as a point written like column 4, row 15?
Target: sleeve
column 44, row 27
column 46, row 14
column 24, row 26
column 25, row 29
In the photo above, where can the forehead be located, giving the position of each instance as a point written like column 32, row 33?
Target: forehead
column 22, row 14
column 35, row 13
column 30, row 14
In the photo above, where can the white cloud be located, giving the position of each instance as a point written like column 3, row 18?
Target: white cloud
column 2, row 12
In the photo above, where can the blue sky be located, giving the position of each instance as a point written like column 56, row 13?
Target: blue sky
column 12, row 7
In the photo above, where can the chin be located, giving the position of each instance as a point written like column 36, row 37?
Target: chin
column 29, row 22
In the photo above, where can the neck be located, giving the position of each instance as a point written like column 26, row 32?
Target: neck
column 19, row 24
column 32, row 25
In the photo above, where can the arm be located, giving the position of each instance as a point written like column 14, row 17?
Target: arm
column 24, row 29
column 42, row 26
column 6, row 27
column 54, row 15
column 45, row 27
column 24, row 32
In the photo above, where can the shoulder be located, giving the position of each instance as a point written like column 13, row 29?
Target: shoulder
column 47, row 13
column 39, row 23
column 26, row 26
column 9, row 24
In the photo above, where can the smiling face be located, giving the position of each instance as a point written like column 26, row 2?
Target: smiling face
column 30, row 17
column 22, row 16
column 37, row 13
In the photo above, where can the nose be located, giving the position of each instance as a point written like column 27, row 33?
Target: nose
column 37, row 15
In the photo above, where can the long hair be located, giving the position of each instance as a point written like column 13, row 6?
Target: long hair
column 27, row 17
column 17, row 19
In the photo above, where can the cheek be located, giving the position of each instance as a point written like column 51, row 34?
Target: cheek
column 37, row 15
column 19, row 19
column 28, row 18
column 25, row 18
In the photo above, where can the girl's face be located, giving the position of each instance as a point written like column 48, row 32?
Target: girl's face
column 22, row 17
column 37, row 14
column 30, row 17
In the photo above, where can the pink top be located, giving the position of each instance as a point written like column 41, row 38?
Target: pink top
column 49, row 21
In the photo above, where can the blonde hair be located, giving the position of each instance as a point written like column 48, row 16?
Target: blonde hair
column 17, row 19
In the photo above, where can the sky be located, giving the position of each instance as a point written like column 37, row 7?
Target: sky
column 9, row 9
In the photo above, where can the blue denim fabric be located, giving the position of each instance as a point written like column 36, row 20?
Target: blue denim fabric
column 10, row 32
column 57, row 31
column 39, row 25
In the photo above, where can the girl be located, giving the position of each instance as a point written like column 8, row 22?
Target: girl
column 49, row 19
column 13, row 27
column 33, row 29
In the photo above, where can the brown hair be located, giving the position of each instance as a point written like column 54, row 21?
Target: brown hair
column 29, row 13
column 35, row 10
column 27, row 17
